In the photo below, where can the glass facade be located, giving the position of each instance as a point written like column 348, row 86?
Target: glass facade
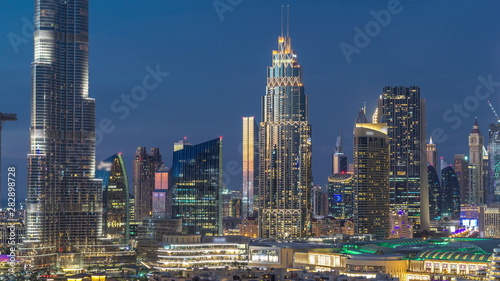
column 493, row 194
column 434, row 192
column 340, row 195
column 450, row 194
column 116, row 199
column 197, row 187
column 285, row 149
column 250, row 171
column 404, row 112
column 460, row 165
column 64, row 201
column 371, row 181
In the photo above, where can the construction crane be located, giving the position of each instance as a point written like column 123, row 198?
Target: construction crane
column 4, row 117
column 494, row 112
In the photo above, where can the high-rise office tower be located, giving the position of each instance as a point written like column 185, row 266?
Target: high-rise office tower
column 404, row 112
column 486, row 176
column 64, row 202
column 450, row 191
column 461, row 168
column 432, row 153
column 339, row 160
column 434, row 192
column 285, row 149
column 319, row 201
column 116, row 220
column 476, row 177
column 493, row 195
column 162, row 193
column 371, row 178
column 340, row 197
column 162, row 179
column 197, row 187
column 144, row 167
column 250, row 161
column 340, row 185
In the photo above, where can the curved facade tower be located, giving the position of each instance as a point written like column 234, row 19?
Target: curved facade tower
column 371, row 178
column 285, row 149
column 116, row 219
column 64, row 206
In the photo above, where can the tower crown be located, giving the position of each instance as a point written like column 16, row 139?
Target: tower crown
column 475, row 128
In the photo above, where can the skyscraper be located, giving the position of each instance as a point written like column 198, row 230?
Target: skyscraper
column 493, row 194
column 285, row 149
column 116, row 220
column 144, row 167
column 197, row 187
column 450, row 194
column 432, row 157
column 340, row 197
column 434, row 192
column 460, row 166
column 339, row 164
column 340, row 185
column 371, row 178
column 404, row 112
column 476, row 177
column 64, row 202
column 250, row 161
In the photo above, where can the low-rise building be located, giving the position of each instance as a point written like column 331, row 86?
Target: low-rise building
column 183, row 252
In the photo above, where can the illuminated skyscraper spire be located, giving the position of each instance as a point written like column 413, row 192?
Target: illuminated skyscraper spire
column 285, row 148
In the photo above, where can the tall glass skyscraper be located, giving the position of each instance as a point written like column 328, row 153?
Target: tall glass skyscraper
column 493, row 193
column 197, row 187
column 64, row 202
column 116, row 219
column 450, row 194
column 404, row 112
column 434, row 192
column 460, row 166
column 285, row 149
column 250, row 160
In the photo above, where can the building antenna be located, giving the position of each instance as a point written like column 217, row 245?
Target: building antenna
column 288, row 21
column 282, row 20
column 493, row 109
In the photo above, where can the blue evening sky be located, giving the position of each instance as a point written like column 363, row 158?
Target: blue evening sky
column 217, row 62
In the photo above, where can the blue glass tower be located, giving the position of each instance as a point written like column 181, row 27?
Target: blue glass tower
column 197, row 187
column 450, row 194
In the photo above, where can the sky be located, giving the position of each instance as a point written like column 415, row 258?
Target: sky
column 210, row 57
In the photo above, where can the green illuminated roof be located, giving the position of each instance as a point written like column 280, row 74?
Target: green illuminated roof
column 373, row 249
column 402, row 242
column 452, row 256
